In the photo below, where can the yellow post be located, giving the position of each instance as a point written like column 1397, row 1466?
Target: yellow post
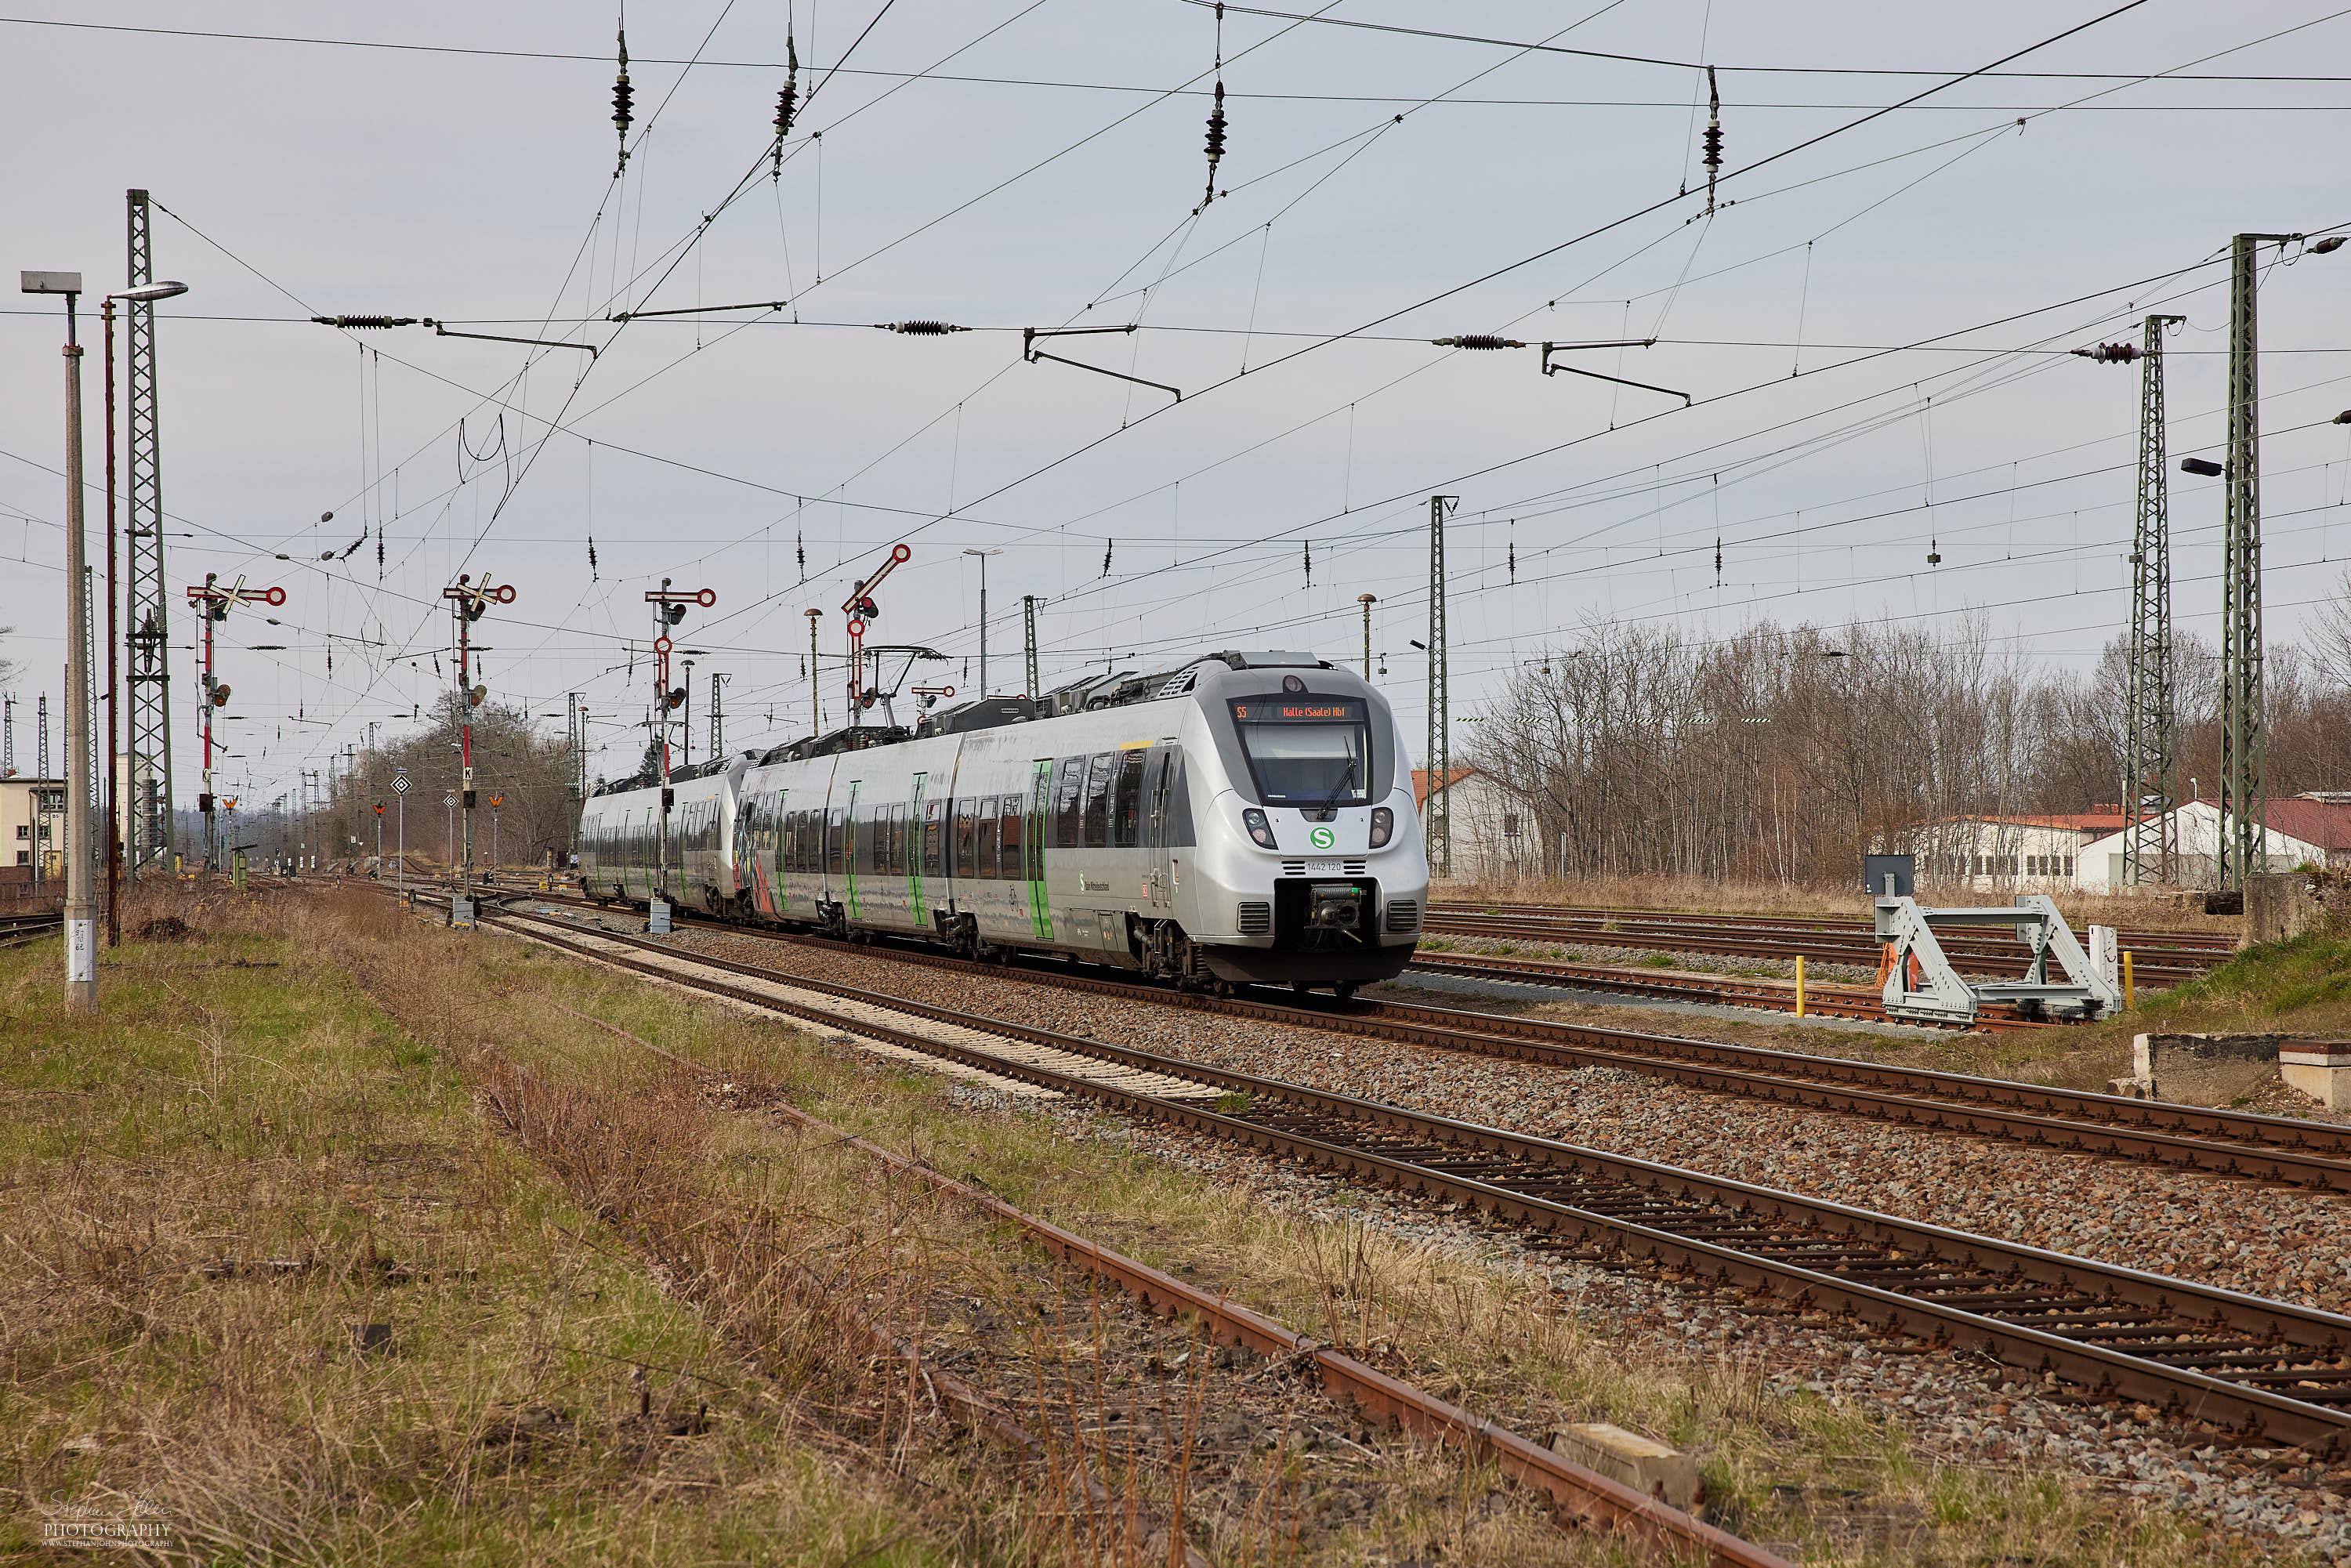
column 1800, row 984
column 2126, row 980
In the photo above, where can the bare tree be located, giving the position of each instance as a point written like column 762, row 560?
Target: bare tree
column 1782, row 754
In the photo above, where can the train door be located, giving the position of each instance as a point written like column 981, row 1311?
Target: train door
column 1159, row 775
column 1040, row 800
column 848, row 840
column 918, row 835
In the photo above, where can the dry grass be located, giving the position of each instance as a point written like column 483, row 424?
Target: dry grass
column 212, row 1190
column 598, row 1353
column 1500, row 1341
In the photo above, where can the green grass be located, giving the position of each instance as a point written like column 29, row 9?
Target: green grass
column 2303, row 983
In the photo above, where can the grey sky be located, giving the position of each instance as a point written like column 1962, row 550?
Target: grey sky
column 479, row 190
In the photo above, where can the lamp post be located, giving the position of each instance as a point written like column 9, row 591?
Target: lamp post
column 983, row 555
column 81, row 954
column 144, row 294
column 1366, row 600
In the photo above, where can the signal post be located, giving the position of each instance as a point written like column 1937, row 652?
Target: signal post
column 858, row 609
column 468, row 602
column 212, row 602
column 669, row 609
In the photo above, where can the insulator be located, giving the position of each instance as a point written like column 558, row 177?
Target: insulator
column 622, row 96
column 1215, row 145
column 921, row 329
column 1713, row 144
column 1477, row 340
column 2110, row 353
column 366, row 321
column 787, row 100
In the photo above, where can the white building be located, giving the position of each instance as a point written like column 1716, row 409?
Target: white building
column 2304, row 829
column 2009, row 854
column 33, row 824
column 1494, row 835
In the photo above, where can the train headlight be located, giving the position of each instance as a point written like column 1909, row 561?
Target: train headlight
column 1383, row 826
column 1259, row 830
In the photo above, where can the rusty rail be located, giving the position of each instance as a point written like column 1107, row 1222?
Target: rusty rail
column 1583, row 1493
column 2021, row 1305
column 2316, row 1155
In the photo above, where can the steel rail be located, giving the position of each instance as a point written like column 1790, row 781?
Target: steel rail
column 2158, row 961
column 2215, row 1141
column 1581, row 1491
column 1828, row 1000
column 2007, row 962
column 22, row 930
column 2194, row 942
column 2106, row 1304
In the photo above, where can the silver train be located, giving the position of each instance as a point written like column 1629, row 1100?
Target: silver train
column 1244, row 818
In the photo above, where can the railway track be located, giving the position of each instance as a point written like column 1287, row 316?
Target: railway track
column 1829, row 1000
column 2240, row 1363
column 2311, row 1154
column 16, row 930
column 1586, row 1494
column 2159, row 958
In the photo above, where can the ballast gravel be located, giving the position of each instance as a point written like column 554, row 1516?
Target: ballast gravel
column 2264, row 1240
column 2270, row 1241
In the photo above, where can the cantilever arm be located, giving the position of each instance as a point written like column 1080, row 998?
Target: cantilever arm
column 1030, row 354
column 1550, row 368
column 441, row 332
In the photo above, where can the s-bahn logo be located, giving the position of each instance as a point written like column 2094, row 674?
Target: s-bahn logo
column 1322, row 838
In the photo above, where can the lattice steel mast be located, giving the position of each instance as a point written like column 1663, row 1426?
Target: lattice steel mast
column 1029, row 632
column 1437, row 826
column 2244, row 732
column 150, row 838
column 2150, row 720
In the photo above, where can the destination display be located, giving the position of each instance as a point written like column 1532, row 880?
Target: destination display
column 1336, row 711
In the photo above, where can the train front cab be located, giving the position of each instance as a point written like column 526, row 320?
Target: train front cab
column 1309, row 869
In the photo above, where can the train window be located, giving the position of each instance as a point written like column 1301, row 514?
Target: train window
column 1310, row 752
column 1069, row 792
column 965, row 853
column 1009, row 838
column 1098, row 777
column 1126, row 799
column 901, row 839
column 988, row 837
column 832, row 826
column 931, row 811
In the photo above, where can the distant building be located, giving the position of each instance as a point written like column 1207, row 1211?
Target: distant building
column 33, row 825
column 2021, row 854
column 1495, row 838
column 2301, row 830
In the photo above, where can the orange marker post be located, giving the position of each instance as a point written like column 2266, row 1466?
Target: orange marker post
column 1799, row 985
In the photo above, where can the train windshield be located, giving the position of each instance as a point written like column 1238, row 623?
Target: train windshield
column 1306, row 751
